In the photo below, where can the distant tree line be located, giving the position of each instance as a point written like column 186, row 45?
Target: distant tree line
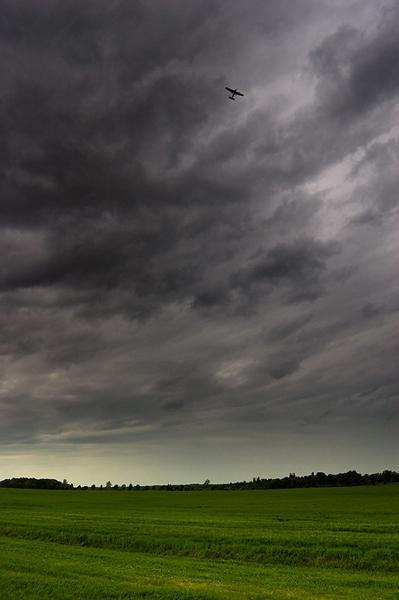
column 320, row 479
column 36, row 484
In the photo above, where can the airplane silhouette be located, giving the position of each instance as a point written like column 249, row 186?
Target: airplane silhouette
column 233, row 93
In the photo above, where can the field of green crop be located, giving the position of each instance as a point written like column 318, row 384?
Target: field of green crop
column 319, row 543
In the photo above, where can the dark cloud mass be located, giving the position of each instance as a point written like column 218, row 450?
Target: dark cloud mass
column 192, row 287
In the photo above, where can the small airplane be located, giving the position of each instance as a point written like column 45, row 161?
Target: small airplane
column 233, row 93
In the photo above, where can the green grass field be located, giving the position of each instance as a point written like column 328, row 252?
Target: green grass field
column 302, row 543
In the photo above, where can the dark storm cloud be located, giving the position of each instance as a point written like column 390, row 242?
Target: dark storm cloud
column 299, row 264
column 358, row 70
column 172, row 260
column 302, row 260
column 83, row 129
column 84, row 139
column 211, row 296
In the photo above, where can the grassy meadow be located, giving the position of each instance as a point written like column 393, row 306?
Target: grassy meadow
column 316, row 543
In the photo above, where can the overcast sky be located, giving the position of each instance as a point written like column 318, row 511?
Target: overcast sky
column 192, row 287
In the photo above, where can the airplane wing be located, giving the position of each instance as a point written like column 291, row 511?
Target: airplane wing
column 230, row 90
column 239, row 94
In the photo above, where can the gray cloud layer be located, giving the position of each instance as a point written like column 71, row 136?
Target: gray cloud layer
column 173, row 262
